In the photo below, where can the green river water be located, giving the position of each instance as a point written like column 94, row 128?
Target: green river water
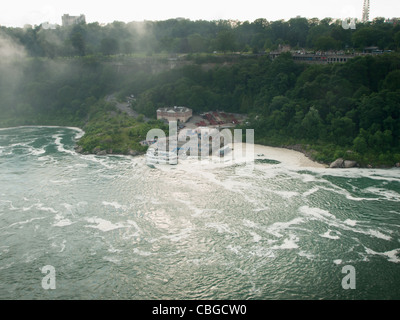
column 114, row 228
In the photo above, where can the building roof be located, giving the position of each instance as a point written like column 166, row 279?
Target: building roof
column 174, row 109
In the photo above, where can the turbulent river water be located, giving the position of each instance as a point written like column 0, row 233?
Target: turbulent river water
column 113, row 228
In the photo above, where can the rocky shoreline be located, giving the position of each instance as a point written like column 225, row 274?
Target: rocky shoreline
column 100, row 152
column 338, row 163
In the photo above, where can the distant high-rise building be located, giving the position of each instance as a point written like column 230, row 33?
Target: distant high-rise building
column 365, row 14
column 68, row 20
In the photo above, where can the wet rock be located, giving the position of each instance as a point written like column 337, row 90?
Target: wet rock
column 96, row 150
column 78, row 149
column 338, row 163
column 350, row 164
column 101, row 153
column 133, row 152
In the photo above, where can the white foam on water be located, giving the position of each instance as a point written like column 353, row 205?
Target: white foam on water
column 250, row 224
column 11, row 206
column 261, row 209
column 352, row 173
column 195, row 211
column 330, row 187
column 290, row 243
column 102, row 160
column 61, row 221
column 311, row 191
column 379, row 235
column 134, row 224
column 27, row 208
column 37, row 152
column 384, row 193
column 220, row 227
column 261, row 251
column 350, row 222
column 141, row 252
column 307, row 255
column 61, row 245
column 60, row 146
column 277, row 228
column 114, row 204
column 80, row 133
column 348, row 225
column 330, row 236
column 41, row 207
column 234, row 249
column 113, row 250
column 21, row 223
column 316, row 213
column 392, row 255
column 103, row 225
column 176, row 237
column 284, row 194
column 256, row 237
column 112, row 259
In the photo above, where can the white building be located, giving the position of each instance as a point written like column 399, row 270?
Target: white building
column 182, row 114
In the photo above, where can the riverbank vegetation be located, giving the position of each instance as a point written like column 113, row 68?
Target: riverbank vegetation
column 350, row 110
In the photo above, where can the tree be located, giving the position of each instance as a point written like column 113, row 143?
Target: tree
column 78, row 41
column 326, row 43
column 397, row 39
column 392, row 81
column 109, row 46
column 343, row 131
column 225, row 41
column 311, row 124
column 298, row 30
column 360, row 145
column 197, row 43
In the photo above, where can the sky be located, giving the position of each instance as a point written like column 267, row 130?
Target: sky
column 17, row 13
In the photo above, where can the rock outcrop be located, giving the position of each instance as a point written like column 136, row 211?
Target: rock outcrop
column 338, row 163
column 341, row 163
column 350, row 164
column 101, row 153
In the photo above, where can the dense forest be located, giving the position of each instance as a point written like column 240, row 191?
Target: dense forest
column 186, row 36
column 350, row 110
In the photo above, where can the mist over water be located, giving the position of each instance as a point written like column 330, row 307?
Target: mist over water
column 113, row 228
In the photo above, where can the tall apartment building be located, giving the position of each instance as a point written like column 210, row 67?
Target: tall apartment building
column 68, row 20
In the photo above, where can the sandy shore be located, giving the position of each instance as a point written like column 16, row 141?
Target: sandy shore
column 285, row 156
column 251, row 152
